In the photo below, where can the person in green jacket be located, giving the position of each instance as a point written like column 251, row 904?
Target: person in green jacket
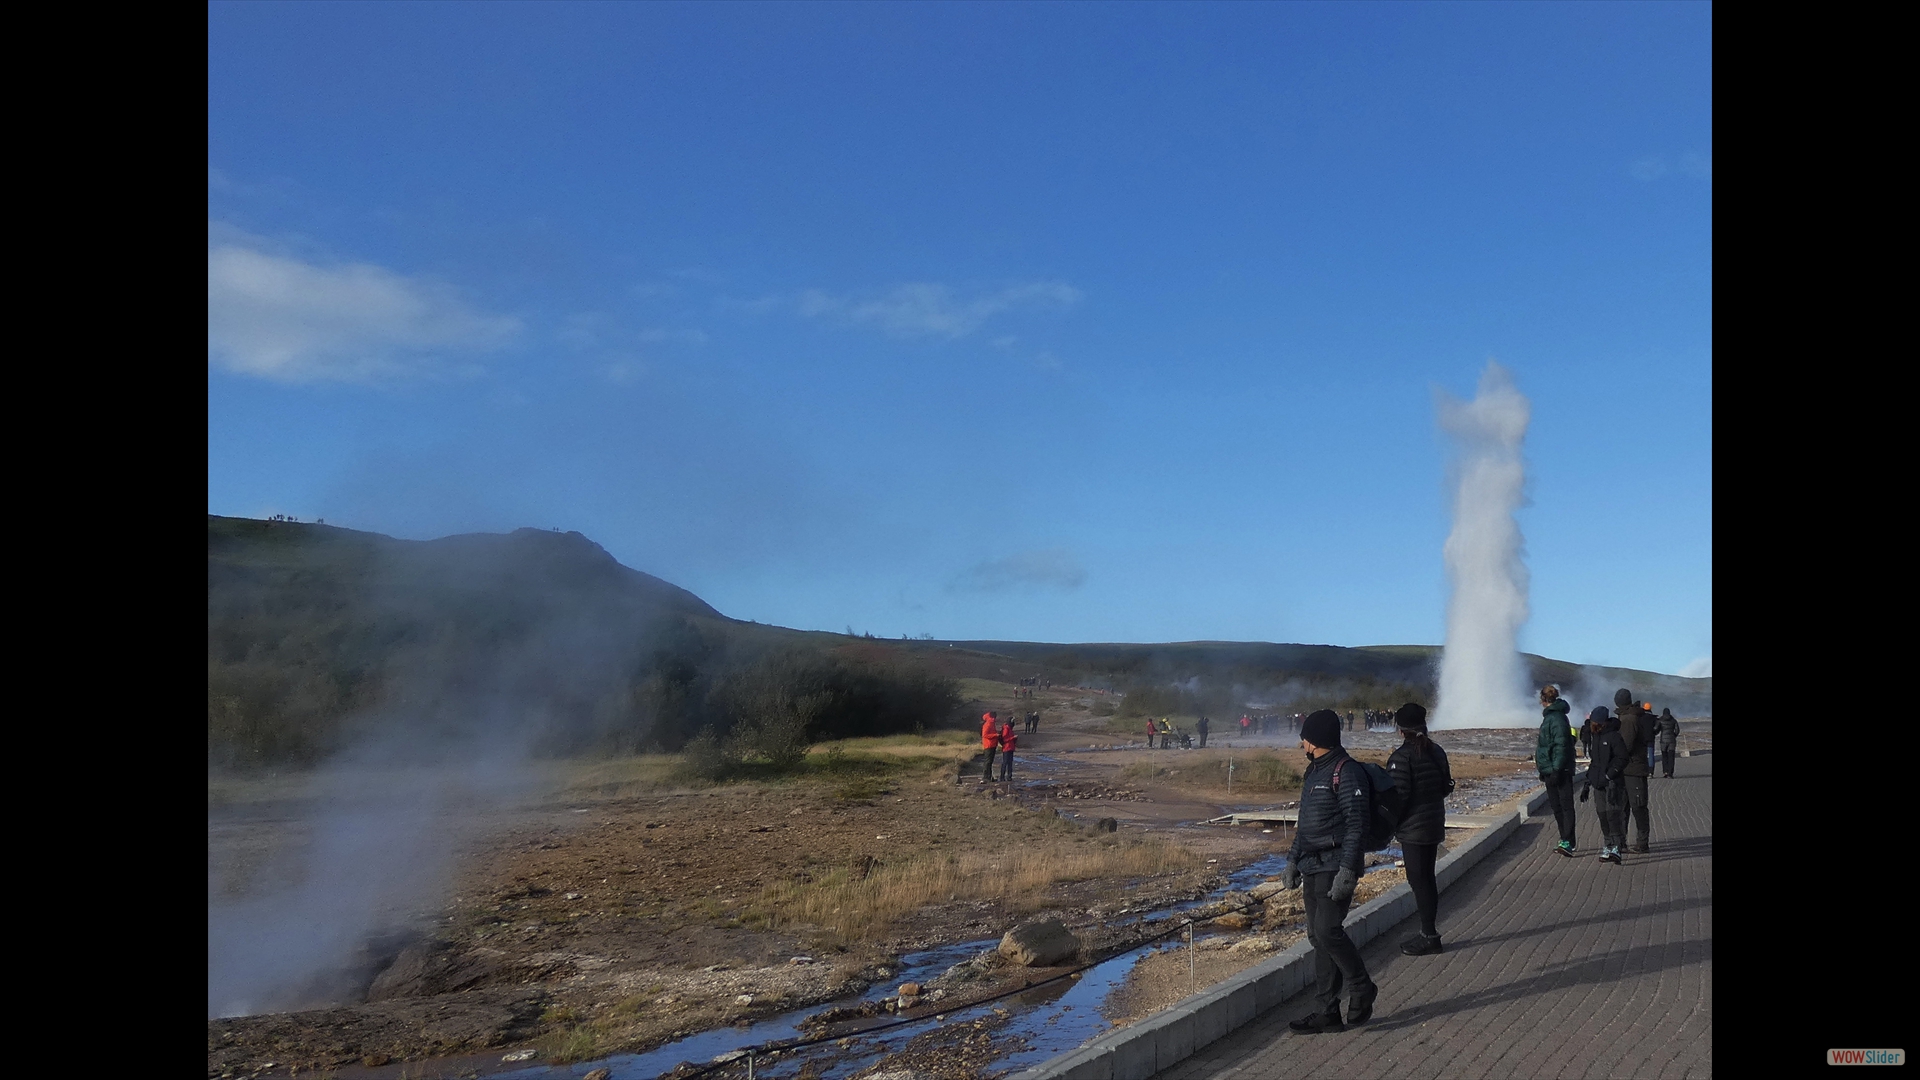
column 1553, row 756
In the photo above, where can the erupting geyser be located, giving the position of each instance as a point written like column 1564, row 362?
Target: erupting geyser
column 1482, row 682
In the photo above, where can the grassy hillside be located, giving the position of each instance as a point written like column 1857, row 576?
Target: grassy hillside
column 321, row 637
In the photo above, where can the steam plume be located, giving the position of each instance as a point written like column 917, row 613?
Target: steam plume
column 1482, row 681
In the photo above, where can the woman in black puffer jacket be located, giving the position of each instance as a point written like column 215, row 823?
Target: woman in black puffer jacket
column 1420, row 771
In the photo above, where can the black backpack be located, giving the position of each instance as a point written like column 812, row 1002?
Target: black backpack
column 1385, row 816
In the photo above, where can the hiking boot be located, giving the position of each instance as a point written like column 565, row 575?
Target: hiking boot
column 1421, row 945
column 1565, row 847
column 1318, row 1023
column 1360, row 1009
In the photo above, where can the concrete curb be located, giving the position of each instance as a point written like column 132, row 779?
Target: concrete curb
column 1174, row 1034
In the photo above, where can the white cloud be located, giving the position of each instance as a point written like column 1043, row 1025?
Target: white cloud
column 923, row 309
column 1029, row 570
column 1701, row 668
column 274, row 315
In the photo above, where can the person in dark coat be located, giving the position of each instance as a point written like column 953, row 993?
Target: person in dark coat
column 1668, row 729
column 1606, row 778
column 1420, row 771
column 1553, row 757
column 1636, row 730
column 1336, row 801
column 1202, row 727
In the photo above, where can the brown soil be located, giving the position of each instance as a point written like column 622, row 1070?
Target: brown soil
column 582, row 925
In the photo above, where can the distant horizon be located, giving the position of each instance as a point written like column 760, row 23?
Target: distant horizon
column 870, row 636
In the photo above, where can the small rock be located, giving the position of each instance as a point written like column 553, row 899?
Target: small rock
column 599, row 1074
column 1106, row 824
column 800, row 960
column 375, row 1060
column 519, row 1055
column 909, row 989
column 743, row 999
column 571, row 896
column 1237, row 920
column 1266, row 889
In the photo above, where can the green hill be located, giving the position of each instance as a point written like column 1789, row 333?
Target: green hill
column 321, row 637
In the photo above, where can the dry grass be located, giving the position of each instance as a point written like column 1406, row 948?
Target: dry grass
column 1256, row 772
column 850, row 905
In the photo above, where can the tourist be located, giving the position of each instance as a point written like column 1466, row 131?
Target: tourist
column 1008, row 737
column 1636, row 730
column 1420, row 770
column 1606, row 777
column 1553, row 757
column 989, row 742
column 1668, row 729
column 1202, row 728
column 1325, row 862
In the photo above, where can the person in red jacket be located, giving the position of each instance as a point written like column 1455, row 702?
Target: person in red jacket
column 1008, row 737
column 989, row 742
column 1151, row 732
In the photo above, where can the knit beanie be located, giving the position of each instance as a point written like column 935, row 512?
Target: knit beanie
column 1598, row 715
column 1410, row 717
column 1622, row 699
column 1322, row 728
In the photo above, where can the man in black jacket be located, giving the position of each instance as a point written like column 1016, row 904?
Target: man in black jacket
column 1336, row 801
column 1669, row 729
column 1606, row 777
column 1636, row 730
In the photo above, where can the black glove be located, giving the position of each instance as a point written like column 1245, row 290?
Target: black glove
column 1344, row 883
column 1290, row 877
column 1585, row 790
column 1544, row 777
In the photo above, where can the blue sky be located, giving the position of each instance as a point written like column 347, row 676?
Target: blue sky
column 1076, row 322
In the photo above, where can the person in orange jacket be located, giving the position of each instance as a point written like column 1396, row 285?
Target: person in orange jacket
column 1008, row 737
column 990, row 742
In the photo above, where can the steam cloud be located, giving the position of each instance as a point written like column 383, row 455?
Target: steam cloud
column 1482, row 679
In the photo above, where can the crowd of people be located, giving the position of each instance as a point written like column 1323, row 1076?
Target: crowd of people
column 1338, row 815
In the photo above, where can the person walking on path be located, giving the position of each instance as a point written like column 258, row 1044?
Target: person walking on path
column 1586, row 739
column 1553, row 757
column 1008, row 738
column 990, row 742
column 1669, row 730
column 1325, row 862
column 1420, row 771
column 1246, row 722
column 1202, row 727
column 1606, row 777
column 1151, row 732
column 1636, row 730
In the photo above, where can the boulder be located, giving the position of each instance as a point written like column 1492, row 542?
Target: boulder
column 1039, row 944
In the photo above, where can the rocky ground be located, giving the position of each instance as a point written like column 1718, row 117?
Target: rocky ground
column 583, row 922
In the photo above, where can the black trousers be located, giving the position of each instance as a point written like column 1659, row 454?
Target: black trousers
column 1560, row 796
column 1336, row 960
column 1637, row 804
column 1611, row 807
column 1006, row 765
column 1203, row 738
column 1667, row 754
column 1426, row 891
column 991, row 751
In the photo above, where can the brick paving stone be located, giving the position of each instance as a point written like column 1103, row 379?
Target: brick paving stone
column 1553, row 967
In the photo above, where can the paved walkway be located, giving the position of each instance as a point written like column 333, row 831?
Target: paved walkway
column 1553, row 967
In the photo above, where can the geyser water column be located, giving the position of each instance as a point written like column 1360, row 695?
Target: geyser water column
column 1482, row 683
